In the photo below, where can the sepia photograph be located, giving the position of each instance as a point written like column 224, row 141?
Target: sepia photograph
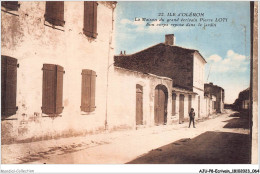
column 129, row 82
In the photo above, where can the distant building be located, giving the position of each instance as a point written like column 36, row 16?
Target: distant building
column 185, row 67
column 219, row 93
column 210, row 100
column 242, row 102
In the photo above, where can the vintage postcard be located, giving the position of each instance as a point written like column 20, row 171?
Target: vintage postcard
column 129, row 82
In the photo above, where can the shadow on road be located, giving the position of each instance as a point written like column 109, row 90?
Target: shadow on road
column 241, row 120
column 207, row 148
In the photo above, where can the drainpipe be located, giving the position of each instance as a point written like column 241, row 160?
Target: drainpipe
column 108, row 66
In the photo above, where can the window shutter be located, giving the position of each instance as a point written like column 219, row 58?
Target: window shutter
column 52, row 91
column 54, row 13
column 173, row 104
column 90, row 18
column 59, row 91
column 8, row 85
column 93, row 91
column 95, row 20
column 48, row 91
column 10, row 5
column 88, row 90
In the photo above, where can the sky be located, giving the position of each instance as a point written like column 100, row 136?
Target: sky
column 225, row 46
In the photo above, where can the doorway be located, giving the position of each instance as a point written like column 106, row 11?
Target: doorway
column 160, row 105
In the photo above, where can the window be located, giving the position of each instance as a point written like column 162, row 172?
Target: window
column 90, row 19
column 88, row 90
column 54, row 13
column 173, row 104
column 10, row 5
column 8, row 86
column 52, row 89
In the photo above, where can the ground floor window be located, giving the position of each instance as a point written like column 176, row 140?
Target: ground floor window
column 52, row 89
column 88, row 89
column 8, row 86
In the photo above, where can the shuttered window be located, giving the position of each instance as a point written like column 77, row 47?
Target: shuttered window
column 88, row 88
column 173, row 104
column 54, row 13
column 90, row 19
column 10, row 5
column 8, row 86
column 52, row 89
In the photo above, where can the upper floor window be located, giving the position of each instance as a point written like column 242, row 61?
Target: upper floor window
column 54, row 13
column 10, row 5
column 90, row 19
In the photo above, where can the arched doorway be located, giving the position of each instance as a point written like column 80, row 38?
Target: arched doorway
column 139, row 104
column 160, row 105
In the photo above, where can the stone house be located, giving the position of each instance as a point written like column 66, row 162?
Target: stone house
column 242, row 102
column 217, row 91
column 55, row 58
column 185, row 67
column 210, row 104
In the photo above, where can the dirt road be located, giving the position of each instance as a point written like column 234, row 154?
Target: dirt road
column 224, row 139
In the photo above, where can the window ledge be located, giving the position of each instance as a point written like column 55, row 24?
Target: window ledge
column 46, row 23
column 51, row 115
column 12, row 12
column 8, row 118
column 87, row 113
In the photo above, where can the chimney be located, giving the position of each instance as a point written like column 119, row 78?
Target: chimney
column 120, row 52
column 211, row 83
column 170, row 39
column 124, row 52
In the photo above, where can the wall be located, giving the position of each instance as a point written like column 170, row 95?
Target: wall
column 198, row 71
column 186, row 101
column 26, row 38
column 209, row 105
column 122, row 104
column 219, row 93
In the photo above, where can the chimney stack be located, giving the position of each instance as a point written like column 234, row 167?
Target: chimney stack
column 170, row 39
column 120, row 52
column 124, row 52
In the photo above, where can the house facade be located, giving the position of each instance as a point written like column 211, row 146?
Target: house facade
column 217, row 91
column 139, row 99
column 185, row 67
column 55, row 58
column 242, row 102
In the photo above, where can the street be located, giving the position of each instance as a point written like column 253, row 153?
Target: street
column 222, row 139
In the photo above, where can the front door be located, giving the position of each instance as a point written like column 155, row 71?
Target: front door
column 139, row 105
column 160, row 105
column 181, row 109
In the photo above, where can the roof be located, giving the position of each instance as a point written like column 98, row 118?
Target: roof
column 212, row 85
column 147, row 74
column 182, row 90
column 177, row 49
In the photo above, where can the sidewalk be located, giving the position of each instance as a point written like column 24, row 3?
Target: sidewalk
column 115, row 147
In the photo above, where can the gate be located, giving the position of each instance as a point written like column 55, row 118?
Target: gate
column 160, row 105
